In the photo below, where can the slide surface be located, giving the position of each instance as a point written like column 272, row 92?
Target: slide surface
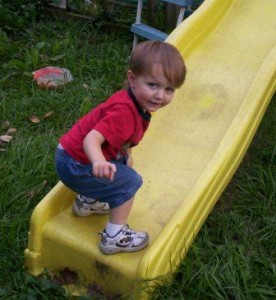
column 187, row 158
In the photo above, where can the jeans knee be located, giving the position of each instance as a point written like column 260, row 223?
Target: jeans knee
column 135, row 178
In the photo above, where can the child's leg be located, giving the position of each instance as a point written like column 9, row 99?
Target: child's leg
column 119, row 215
column 118, row 194
column 75, row 174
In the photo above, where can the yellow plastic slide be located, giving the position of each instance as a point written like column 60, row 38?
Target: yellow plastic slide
column 187, row 158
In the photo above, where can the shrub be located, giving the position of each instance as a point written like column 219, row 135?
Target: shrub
column 16, row 16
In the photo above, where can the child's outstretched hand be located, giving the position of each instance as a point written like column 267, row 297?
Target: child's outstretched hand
column 104, row 169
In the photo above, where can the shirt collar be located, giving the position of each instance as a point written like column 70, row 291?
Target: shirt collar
column 145, row 115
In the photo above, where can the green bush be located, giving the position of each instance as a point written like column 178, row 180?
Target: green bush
column 16, row 16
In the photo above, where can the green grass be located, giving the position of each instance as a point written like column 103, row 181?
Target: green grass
column 233, row 256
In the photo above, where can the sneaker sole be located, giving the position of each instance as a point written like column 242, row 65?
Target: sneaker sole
column 113, row 250
column 94, row 212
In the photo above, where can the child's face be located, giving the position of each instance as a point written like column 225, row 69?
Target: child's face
column 151, row 91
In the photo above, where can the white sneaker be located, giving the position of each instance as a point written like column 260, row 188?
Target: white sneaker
column 84, row 207
column 126, row 240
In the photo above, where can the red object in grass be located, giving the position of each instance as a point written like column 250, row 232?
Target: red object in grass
column 52, row 77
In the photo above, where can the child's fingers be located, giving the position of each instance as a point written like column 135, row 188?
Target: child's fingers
column 113, row 170
column 99, row 170
column 106, row 170
column 113, row 167
column 109, row 171
column 95, row 171
column 111, row 177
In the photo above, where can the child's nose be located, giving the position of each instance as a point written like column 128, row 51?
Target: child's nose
column 159, row 94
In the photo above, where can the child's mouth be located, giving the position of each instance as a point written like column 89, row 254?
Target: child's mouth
column 155, row 104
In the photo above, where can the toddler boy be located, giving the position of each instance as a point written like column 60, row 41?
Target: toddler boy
column 94, row 157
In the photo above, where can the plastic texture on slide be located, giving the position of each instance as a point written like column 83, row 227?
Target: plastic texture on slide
column 187, row 158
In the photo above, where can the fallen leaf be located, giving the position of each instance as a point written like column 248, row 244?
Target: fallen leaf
column 34, row 119
column 49, row 114
column 11, row 131
column 5, row 138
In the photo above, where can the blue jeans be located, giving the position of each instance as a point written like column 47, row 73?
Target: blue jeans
column 79, row 178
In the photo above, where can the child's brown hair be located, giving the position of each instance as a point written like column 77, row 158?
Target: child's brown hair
column 149, row 53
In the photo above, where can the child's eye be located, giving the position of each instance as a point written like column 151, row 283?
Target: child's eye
column 169, row 89
column 152, row 84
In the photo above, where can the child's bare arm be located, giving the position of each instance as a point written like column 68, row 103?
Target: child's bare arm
column 129, row 159
column 92, row 148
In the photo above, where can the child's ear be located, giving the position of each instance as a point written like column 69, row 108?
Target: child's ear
column 131, row 78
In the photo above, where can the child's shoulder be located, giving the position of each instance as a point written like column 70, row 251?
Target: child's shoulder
column 120, row 98
column 121, row 101
column 119, row 95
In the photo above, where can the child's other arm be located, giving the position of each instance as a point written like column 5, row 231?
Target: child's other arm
column 129, row 159
column 92, row 147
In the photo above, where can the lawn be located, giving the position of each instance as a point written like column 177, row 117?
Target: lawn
column 234, row 255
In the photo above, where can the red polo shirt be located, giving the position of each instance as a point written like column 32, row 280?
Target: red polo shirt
column 120, row 120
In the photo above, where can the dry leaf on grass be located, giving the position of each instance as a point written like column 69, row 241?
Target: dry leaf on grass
column 11, row 131
column 34, row 119
column 49, row 114
column 5, row 138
